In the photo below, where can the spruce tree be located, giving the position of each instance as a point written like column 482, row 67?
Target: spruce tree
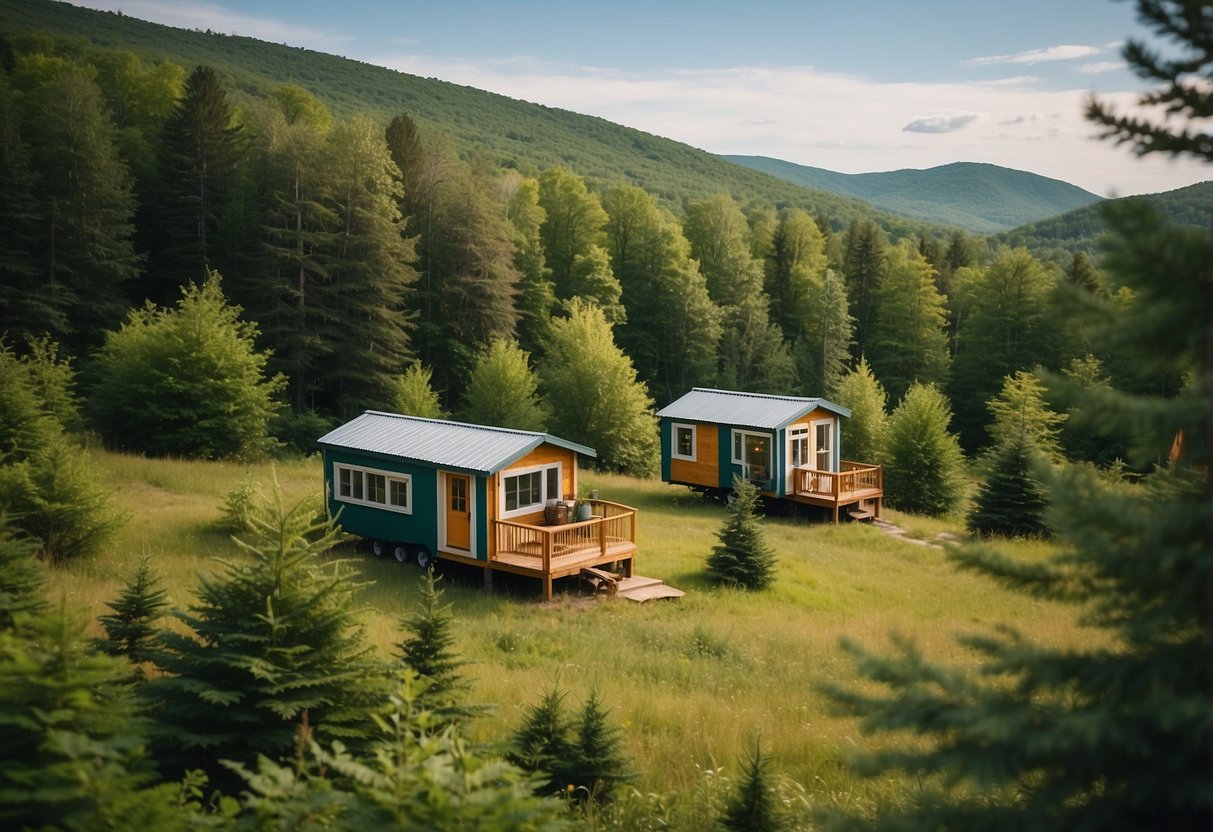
column 131, row 628
column 1116, row 734
column 428, row 650
column 272, row 651
column 73, row 736
column 753, row 808
column 863, row 435
column 742, row 559
column 413, row 395
column 597, row 762
column 542, row 743
column 1011, row 501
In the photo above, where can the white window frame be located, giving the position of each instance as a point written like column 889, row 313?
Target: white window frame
column 389, row 478
column 674, row 454
column 544, row 496
column 832, row 444
column 739, row 443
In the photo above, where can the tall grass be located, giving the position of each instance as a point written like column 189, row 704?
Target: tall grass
column 691, row 681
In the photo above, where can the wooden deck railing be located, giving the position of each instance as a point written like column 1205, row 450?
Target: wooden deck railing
column 611, row 525
column 853, row 477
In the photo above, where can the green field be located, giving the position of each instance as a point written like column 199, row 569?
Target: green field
column 694, row 681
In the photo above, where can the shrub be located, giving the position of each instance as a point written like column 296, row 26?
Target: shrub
column 185, row 382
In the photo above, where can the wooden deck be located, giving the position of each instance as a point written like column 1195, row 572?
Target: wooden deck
column 856, row 484
column 559, row 551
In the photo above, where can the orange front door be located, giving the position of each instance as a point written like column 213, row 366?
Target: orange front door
column 458, row 512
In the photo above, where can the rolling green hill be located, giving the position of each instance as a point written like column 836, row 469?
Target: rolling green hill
column 1080, row 229
column 505, row 131
column 976, row 197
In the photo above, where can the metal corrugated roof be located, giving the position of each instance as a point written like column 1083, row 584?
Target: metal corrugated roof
column 484, row 450
column 753, row 410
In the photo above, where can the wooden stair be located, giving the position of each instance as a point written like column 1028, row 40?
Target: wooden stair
column 636, row 588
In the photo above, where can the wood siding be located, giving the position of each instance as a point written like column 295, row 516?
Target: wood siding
column 704, row 470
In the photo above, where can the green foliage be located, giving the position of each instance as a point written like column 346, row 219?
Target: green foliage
column 185, row 382
column 414, row 396
column 22, row 579
column 131, row 628
column 60, row 500
column 72, row 736
column 240, row 504
column 1005, row 329
column 863, row 435
column 298, row 431
column 1117, row 734
column 541, row 744
column 924, row 463
column 577, row 758
column 753, row 806
column 1020, row 410
column 591, row 389
column 598, row 763
column 26, row 423
column 410, row 779
column 271, row 648
column 743, row 559
column 1011, row 501
column 502, row 390
column 909, row 344
column 824, row 346
column 428, row 651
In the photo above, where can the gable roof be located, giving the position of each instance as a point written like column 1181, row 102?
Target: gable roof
column 752, row 410
column 476, row 448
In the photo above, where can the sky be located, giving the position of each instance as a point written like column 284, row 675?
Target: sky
column 853, row 86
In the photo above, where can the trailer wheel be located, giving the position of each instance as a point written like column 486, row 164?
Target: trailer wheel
column 400, row 552
column 425, row 559
column 378, row 548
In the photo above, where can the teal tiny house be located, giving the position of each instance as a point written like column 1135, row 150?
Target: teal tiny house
column 420, row 489
column 786, row 445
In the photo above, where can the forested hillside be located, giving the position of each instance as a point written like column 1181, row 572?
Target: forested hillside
column 384, row 236
column 977, row 197
column 1080, row 229
column 503, row 131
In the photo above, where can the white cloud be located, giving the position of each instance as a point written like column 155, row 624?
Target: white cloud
column 940, row 123
column 1100, row 67
column 1063, row 52
column 841, row 122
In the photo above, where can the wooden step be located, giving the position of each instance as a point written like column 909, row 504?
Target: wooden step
column 860, row 514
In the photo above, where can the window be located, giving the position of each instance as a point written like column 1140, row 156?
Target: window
column 824, row 436
column 683, row 442
column 369, row 487
column 524, row 492
column 752, row 451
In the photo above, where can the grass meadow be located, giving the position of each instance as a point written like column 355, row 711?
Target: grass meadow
column 693, row 682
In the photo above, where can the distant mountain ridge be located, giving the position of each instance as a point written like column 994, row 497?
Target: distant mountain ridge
column 974, row 196
column 1081, row 229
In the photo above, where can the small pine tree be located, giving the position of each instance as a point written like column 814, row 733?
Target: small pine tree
column 861, row 392
column 239, row 505
column 273, row 644
column 753, row 808
column 743, row 559
column 541, row 745
column 428, row 650
column 130, row 631
column 1010, row 503
column 597, row 761
column 502, row 390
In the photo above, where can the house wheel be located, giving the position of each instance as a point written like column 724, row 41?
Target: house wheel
column 378, row 548
column 729, row 497
column 425, row 559
column 400, row 552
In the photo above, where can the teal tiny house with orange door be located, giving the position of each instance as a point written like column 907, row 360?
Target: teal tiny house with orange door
column 426, row 489
column 788, row 446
